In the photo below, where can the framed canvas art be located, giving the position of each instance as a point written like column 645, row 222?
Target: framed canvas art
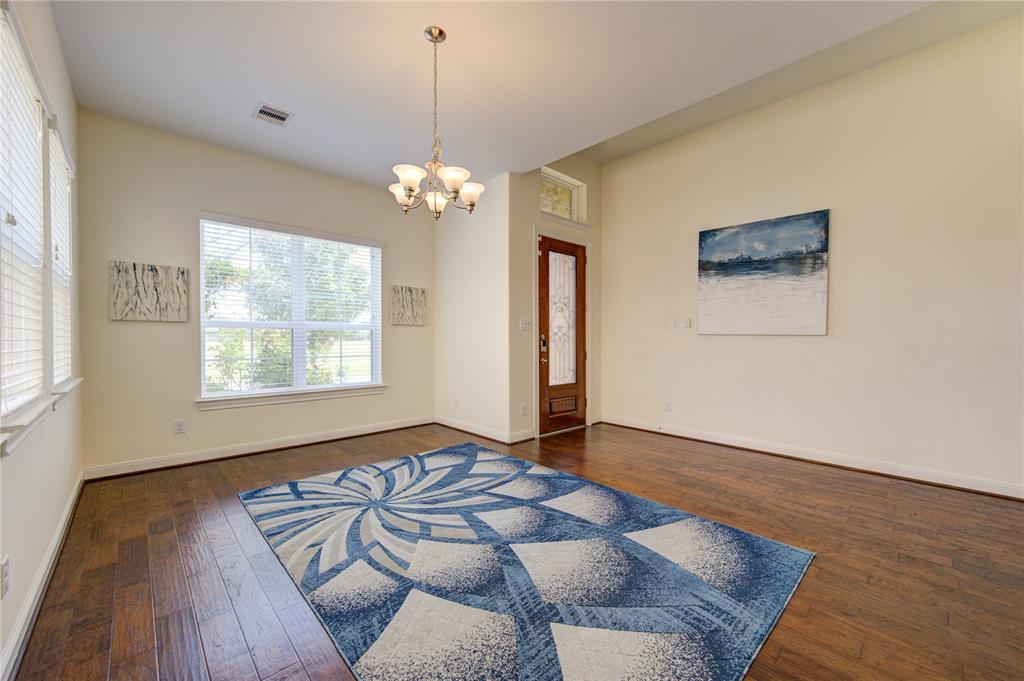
column 765, row 278
column 148, row 293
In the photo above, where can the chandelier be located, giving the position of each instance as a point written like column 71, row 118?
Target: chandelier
column 446, row 185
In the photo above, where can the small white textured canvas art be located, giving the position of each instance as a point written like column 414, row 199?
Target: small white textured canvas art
column 408, row 306
column 149, row 293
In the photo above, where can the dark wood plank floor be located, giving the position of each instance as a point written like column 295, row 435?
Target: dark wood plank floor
column 165, row 576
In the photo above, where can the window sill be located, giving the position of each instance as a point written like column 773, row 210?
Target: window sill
column 23, row 421
column 64, row 389
column 258, row 400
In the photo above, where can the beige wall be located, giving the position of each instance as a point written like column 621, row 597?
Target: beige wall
column 141, row 192
column 39, row 478
column 920, row 162
column 472, row 322
column 524, row 212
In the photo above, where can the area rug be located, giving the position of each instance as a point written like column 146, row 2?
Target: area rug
column 463, row 564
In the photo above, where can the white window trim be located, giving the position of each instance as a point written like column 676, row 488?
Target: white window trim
column 24, row 419
column 579, row 197
column 284, row 395
column 289, row 229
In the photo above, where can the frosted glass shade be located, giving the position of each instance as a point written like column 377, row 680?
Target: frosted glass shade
column 453, row 177
column 471, row 192
column 410, row 175
column 437, row 202
column 399, row 191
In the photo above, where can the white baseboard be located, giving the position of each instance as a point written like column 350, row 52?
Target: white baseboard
column 520, row 435
column 34, row 597
column 198, row 455
column 871, row 465
column 502, row 436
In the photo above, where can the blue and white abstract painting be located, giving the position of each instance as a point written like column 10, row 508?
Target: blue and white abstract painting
column 767, row 278
column 463, row 564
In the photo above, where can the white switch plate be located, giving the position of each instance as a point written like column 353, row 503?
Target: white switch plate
column 178, row 426
column 689, row 322
column 5, row 576
column 670, row 323
column 525, row 324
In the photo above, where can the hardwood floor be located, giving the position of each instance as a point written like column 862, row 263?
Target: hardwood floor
column 164, row 575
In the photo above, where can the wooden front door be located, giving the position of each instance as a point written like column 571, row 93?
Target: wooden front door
column 562, row 314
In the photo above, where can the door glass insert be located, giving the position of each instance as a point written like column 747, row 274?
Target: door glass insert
column 561, row 318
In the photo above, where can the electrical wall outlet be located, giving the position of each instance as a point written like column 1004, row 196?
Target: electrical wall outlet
column 5, row 576
column 178, row 426
column 522, row 410
column 668, row 407
column 455, row 401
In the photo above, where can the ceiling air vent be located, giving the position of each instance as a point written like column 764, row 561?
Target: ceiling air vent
column 271, row 114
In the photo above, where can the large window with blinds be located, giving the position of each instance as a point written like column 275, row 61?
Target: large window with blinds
column 36, row 336
column 21, row 227
column 285, row 312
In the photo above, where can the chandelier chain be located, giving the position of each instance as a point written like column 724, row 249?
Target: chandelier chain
column 437, row 138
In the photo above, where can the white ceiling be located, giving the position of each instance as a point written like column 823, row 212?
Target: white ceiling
column 521, row 84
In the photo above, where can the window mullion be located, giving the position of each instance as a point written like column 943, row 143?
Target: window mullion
column 298, row 313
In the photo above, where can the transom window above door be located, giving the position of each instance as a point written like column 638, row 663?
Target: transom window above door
column 562, row 196
column 286, row 312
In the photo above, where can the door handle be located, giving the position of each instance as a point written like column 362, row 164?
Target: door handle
column 544, row 360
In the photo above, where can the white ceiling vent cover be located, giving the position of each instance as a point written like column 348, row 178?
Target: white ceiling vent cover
column 271, row 114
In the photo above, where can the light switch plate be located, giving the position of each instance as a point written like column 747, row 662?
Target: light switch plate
column 525, row 324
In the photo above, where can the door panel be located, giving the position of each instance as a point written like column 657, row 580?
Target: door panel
column 562, row 335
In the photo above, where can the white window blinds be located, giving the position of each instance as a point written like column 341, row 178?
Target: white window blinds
column 21, row 227
column 284, row 312
column 60, row 241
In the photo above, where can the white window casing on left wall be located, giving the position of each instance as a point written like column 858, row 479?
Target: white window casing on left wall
column 36, row 264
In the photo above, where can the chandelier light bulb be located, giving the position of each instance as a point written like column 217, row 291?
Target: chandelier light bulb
column 436, row 201
column 410, row 176
column 401, row 195
column 453, row 178
column 471, row 192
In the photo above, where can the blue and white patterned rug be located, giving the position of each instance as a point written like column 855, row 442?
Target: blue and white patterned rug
column 465, row 564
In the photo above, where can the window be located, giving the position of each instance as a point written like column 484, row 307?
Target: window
column 60, row 244
column 285, row 312
column 561, row 195
column 21, row 227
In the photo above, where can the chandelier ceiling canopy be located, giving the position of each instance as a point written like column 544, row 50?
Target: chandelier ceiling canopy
column 446, row 185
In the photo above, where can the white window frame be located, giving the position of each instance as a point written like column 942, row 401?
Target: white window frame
column 21, row 420
column 579, row 194
column 302, row 393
